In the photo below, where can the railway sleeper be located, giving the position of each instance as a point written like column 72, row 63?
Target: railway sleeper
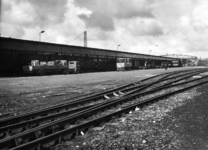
column 5, row 134
column 18, row 141
column 38, row 134
column 59, row 140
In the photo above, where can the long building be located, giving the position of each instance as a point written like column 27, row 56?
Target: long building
column 14, row 53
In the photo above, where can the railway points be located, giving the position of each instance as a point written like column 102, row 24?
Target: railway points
column 117, row 104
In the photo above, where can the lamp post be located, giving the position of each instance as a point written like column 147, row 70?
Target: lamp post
column 149, row 51
column 40, row 34
column 118, row 46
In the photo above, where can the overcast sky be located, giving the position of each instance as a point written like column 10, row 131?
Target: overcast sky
column 140, row 26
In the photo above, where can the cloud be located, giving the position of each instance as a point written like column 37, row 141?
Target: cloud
column 194, row 29
column 36, row 12
column 13, row 31
column 48, row 11
column 119, row 9
column 24, row 14
column 134, row 9
column 5, row 6
column 98, row 19
column 150, row 28
column 179, row 27
column 200, row 16
column 14, row 19
column 89, row 4
column 144, row 27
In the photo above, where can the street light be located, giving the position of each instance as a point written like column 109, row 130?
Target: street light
column 40, row 34
column 118, row 46
column 149, row 51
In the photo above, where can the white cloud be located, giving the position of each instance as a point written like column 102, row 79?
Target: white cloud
column 179, row 27
column 147, row 27
column 98, row 19
column 185, row 21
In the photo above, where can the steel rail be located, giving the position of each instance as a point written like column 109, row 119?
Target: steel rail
column 26, row 125
column 35, row 122
column 65, row 106
column 48, row 110
column 161, row 80
column 150, row 84
column 60, row 136
column 75, row 117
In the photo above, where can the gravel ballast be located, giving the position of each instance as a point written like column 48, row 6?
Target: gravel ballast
column 178, row 122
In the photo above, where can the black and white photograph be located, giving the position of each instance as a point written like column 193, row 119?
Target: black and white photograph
column 103, row 75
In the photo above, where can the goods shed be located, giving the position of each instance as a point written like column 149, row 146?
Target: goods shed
column 16, row 52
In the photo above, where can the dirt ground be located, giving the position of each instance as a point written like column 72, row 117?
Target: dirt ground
column 35, row 83
column 178, row 123
column 22, row 94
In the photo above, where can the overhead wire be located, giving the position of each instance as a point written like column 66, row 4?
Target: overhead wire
column 76, row 37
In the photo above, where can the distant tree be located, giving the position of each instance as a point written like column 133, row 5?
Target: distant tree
column 203, row 62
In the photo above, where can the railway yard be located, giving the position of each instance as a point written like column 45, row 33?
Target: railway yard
column 138, row 110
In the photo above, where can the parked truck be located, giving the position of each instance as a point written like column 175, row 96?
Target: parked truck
column 57, row 66
column 124, row 64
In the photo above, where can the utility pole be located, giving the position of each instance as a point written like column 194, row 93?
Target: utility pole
column 0, row 16
column 85, row 38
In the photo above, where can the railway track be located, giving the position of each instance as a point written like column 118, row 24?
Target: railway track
column 48, row 130
column 27, row 124
column 72, row 103
column 19, row 118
